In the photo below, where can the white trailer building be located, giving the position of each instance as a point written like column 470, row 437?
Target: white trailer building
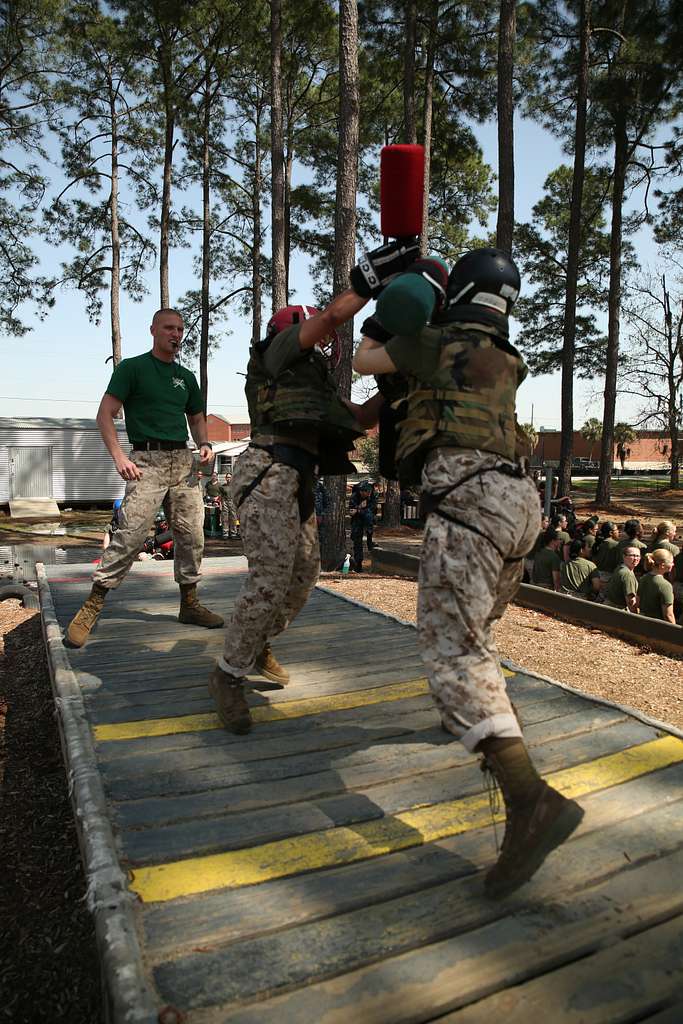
column 61, row 459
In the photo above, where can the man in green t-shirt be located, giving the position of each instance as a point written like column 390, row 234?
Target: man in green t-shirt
column 159, row 398
column 622, row 589
column 213, row 488
column 547, row 562
column 228, row 509
column 458, row 439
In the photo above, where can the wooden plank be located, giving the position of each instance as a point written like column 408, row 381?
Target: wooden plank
column 551, row 710
column 622, row 983
column 377, row 838
column 233, row 828
column 305, row 754
column 220, row 917
column 492, row 947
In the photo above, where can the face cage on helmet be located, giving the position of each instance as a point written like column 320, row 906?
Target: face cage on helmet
column 330, row 349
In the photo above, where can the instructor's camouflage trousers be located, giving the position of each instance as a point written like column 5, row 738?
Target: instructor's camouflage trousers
column 283, row 556
column 466, row 581
column 165, row 480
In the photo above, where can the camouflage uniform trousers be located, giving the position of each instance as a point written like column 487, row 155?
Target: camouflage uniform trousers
column 165, row 480
column 283, row 556
column 466, row 580
column 228, row 517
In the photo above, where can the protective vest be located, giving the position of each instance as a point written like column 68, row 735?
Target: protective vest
column 465, row 398
column 304, row 394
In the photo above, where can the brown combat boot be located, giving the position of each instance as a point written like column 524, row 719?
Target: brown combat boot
column 192, row 612
column 231, row 704
column 537, row 817
column 79, row 628
column 269, row 667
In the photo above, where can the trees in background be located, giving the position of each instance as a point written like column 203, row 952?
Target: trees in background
column 591, row 431
column 653, row 369
column 221, row 125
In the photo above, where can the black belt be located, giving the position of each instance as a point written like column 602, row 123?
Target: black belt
column 161, row 446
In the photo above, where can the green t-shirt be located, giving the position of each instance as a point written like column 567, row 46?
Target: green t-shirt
column 622, row 584
column 588, row 541
column 546, row 561
column 577, row 576
column 654, row 592
column 666, row 545
column 156, row 396
column 225, row 491
column 608, row 555
column 212, row 489
column 626, row 542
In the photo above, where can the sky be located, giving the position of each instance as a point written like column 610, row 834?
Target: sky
column 59, row 368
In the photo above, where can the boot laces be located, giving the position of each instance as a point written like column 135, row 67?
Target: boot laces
column 493, row 794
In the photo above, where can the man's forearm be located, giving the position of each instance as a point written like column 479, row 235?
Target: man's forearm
column 107, row 429
column 341, row 309
column 198, row 429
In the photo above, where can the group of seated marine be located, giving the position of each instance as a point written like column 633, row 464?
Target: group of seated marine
column 614, row 566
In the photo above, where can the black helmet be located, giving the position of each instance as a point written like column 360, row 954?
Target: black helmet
column 484, row 277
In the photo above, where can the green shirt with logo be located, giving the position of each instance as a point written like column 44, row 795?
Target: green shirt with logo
column 156, row 397
column 654, row 593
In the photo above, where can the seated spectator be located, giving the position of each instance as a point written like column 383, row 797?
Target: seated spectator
column 662, row 539
column 547, row 562
column 606, row 551
column 655, row 593
column 622, row 589
column 579, row 576
column 587, row 531
column 529, row 560
column 678, row 586
column 633, row 533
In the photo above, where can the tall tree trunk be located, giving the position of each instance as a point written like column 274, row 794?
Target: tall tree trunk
column 206, row 244
column 277, row 157
column 256, row 290
column 574, row 245
column 603, row 491
column 334, row 537
column 428, row 115
column 115, row 296
column 409, row 118
column 289, row 164
column 169, row 145
column 506, row 153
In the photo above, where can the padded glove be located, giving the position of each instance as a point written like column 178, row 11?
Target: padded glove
column 372, row 328
column 375, row 269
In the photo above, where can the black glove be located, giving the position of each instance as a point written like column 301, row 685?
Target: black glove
column 436, row 274
column 376, row 268
column 372, row 328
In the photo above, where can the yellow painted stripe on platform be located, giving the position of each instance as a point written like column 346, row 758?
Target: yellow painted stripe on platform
column 267, row 712
column 337, row 846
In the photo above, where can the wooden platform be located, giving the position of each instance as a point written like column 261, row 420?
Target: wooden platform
column 327, row 868
column 34, row 508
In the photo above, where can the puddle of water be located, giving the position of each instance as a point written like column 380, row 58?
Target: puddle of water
column 18, row 561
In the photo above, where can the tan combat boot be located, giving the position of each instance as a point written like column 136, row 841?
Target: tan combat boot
column 192, row 612
column 85, row 618
column 269, row 667
column 231, row 705
column 537, row 817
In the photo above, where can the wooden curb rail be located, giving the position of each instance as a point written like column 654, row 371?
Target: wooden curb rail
column 661, row 636
column 127, row 997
